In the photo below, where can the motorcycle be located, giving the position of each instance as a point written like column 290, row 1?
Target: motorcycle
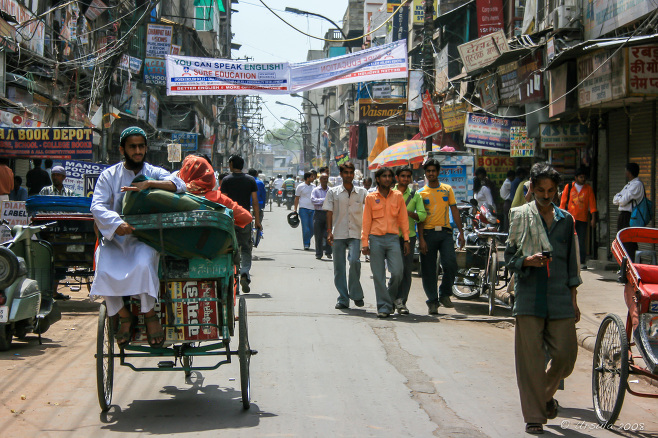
column 290, row 198
column 27, row 285
column 278, row 197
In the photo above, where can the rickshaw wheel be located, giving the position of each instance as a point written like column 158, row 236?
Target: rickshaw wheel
column 104, row 359
column 244, row 353
column 465, row 291
column 493, row 281
column 610, row 370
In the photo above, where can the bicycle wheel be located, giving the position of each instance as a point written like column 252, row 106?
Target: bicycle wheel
column 466, row 287
column 244, row 353
column 493, row 281
column 104, row 359
column 610, row 370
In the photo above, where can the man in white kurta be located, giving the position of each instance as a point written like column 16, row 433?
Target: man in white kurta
column 124, row 265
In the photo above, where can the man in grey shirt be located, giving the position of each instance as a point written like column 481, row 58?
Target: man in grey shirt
column 344, row 206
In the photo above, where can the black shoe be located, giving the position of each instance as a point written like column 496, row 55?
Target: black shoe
column 329, row 256
column 318, row 258
column 433, row 308
column 446, row 302
column 359, row 303
column 61, row 296
column 341, row 306
column 244, row 284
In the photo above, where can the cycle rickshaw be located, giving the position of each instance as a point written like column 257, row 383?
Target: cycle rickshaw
column 197, row 301
column 614, row 355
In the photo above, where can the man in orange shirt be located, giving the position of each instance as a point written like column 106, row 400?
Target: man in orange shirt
column 384, row 218
column 579, row 200
column 6, row 179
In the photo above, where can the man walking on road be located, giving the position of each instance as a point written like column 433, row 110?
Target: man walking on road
column 242, row 189
column 344, row 206
column 629, row 197
column 416, row 213
column 318, row 196
column 579, row 200
column 507, row 195
column 306, row 209
column 545, row 304
column 435, row 236
column 384, row 218
column 261, row 193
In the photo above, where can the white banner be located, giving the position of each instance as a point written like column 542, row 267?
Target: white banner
column 190, row 76
column 378, row 63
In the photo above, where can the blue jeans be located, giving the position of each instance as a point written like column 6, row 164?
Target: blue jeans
column 347, row 288
column 407, row 269
column 385, row 250
column 245, row 242
column 438, row 242
column 306, row 217
column 320, row 233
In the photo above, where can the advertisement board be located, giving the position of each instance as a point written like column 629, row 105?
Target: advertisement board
column 76, row 171
column 46, row 142
column 490, row 16
column 456, row 177
column 563, row 135
column 483, row 51
column 520, row 144
column 154, row 71
column 643, row 70
column 603, row 16
column 453, row 116
column 372, row 111
column 15, row 213
column 187, row 140
column 601, row 76
column 485, row 132
column 158, row 40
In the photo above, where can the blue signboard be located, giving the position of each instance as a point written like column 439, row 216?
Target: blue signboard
column 46, row 142
column 189, row 141
column 485, row 132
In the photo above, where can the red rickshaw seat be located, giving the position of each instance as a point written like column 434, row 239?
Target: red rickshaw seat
column 648, row 273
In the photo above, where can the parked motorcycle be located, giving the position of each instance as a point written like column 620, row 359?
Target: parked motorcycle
column 27, row 285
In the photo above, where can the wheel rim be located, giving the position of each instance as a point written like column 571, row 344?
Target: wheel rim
column 105, row 359
column 610, row 370
column 244, row 351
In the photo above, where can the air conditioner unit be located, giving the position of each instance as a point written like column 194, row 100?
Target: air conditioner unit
column 566, row 17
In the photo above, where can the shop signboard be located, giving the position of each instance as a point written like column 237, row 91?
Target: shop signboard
column 400, row 23
column 154, row 105
column 557, row 89
column 131, row 64
column 454, row 116
column 520, row 144
column 96, row 8
column 158, row 40
column 643, row 70
column 430, row 123
column 46, row 142
column 30, row 34
column 14, row 213
column 563, row 135
column 457, row 178
column 187, row 140
column 419, row 11
column 372, row 111
column 509, row 83
column 603, row 16
column 530, row 79
column 382, row 91
column 490, row 16
column 174, row 153
column 414, row 99
column 483, row 51
column 76, row 173
column 90, row 180
column 488, row 88
column 602, row 77
column 496, row 165
column 441, row 69
column 154, row 71
column 485, row 132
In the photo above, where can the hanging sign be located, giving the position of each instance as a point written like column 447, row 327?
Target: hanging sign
column 46, row 142
column 490, row 16
column 483, row 51
column 158, row 40
column 154, row 71
column 173, row 153
column 342, row 158
column 187, row 140
column 484, row 132
column 454, row 116
column 430, row 123
column 131, row 64
column 520, row 144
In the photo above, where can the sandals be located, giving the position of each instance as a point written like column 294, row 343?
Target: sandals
column 151, row 336
column 123, row 338
column 552, row 409
column 534, row 428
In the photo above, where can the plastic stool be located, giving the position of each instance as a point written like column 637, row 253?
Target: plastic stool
column 639, row 254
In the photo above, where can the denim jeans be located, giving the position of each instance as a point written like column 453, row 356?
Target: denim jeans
column 348, row 288
column 320, row 233
column 306, row 217
column 407, row 269
column 581, row 231
column 438, row 242
column 245, row 242
column 385, row 250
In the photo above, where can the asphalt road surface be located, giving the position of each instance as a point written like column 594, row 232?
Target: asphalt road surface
column 320, row 372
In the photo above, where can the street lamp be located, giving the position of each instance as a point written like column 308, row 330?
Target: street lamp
column 301, row 115
column 317, row 151
column 300, row 12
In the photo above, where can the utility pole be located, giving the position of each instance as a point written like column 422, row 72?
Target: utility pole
column 428, row 57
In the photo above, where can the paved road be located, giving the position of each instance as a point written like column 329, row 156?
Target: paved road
column 320, row 372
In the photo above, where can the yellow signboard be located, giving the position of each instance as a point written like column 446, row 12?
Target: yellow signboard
column 419, row 11
column 454, row 116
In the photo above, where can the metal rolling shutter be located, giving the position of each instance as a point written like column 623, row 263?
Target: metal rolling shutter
column 617, row 159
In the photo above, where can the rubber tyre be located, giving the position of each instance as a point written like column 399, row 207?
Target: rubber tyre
column 104, row 359
column 6, row 336
column 8, row 267
column 244, row 353
column 493, row 281
column 466, row 292
column 610, row 370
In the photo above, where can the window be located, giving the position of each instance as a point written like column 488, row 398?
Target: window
column 203, row 15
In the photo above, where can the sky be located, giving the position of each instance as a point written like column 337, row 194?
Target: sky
column 265, row 38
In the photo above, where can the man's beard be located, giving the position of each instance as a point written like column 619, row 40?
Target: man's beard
column 132, row 164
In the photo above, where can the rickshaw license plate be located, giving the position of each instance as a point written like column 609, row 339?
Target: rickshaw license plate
column 653, row 307
column 4, row 313
column 75, row 248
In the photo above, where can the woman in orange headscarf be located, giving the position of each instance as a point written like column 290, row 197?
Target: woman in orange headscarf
column 199, row 178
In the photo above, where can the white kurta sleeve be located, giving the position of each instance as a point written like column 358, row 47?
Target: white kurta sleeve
column 106, row 219
column 162, row 175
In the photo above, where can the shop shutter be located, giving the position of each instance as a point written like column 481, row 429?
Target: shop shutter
column 617, row 159
column 641, row 148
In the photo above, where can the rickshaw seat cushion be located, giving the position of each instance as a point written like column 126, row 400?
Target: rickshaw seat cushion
column 650, row 290
column 648, row 273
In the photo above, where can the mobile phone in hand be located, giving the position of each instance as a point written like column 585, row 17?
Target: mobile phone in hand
column 547, row 254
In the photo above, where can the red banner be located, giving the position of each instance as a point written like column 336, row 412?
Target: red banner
column 490, row 16
column 430, row 123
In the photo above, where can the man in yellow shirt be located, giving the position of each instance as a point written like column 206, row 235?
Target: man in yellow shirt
column 435, row 236
column 384, row 217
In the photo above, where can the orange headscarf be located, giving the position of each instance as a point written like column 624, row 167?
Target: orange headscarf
column 198, row 175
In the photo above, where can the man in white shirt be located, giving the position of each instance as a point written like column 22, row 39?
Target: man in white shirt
column 344, row 206
column 124, row 265
column 630, row 195
column 507, row 195
column 277, row 184
column 304, row 206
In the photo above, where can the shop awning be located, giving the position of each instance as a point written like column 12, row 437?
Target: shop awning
column 592, row 45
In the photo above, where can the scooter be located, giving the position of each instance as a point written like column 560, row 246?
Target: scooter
column 27, row 285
